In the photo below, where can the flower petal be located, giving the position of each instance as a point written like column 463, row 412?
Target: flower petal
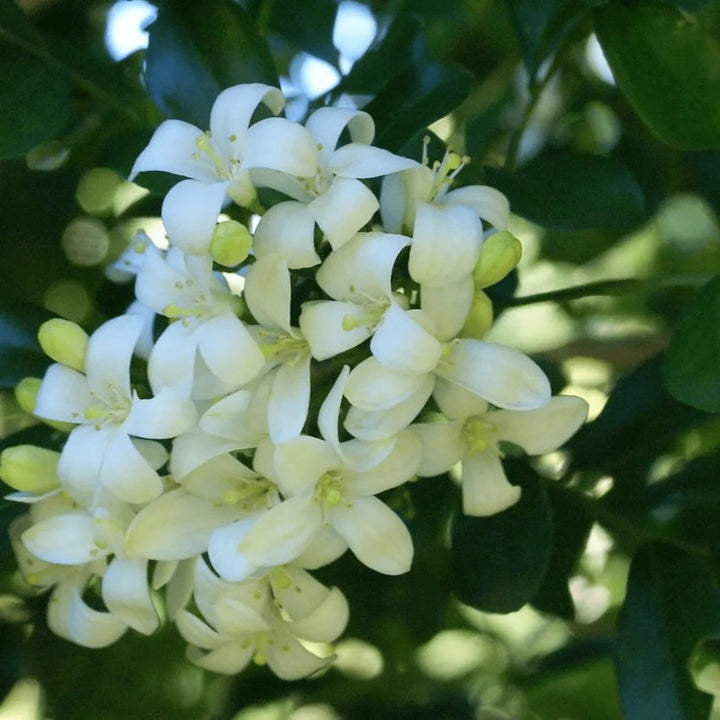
column 327, row 124
column 448, row 306
column 376, row 535
column 127, row 596
column 442, row 446
column 498, row 374
column 403, row 344
column 166, row 415
column 544, row 429
column 127, row 474
column 289, row 400
column 490, row 204
column 373, row 386
column 288, row 229
column 64, row 395
column 365, row 161
column 321, row 323
column 267, row 292
column 223, row 551
column 279, row 144
column 301, row 462
column 485, row 489
column 64, row 539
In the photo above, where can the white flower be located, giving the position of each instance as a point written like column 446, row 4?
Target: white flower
column 472, row 434
column 334, row 197
column 218, row 163
column 203, row 322
column 100, row 451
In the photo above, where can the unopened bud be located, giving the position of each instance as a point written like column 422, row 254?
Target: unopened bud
column 479, row 318
column 501, row 252
column 64, row 341
column 28, row 468
column 230, row 244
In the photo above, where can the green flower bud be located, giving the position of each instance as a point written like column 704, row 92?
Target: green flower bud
column 64, row 341
column 230, row 244
column 479, row 318
column 29, row 468
column 501, row 252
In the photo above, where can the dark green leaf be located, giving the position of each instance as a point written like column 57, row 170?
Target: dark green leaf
column 35, row 98
column 541, row 26
column 196, row 50
column 571, row 525
column 666, row 65
column 307, row 25
column 564, row 191
column 692, row 369
column 20, row 352
column 671, row 603
column 638, row 421
column 498, row 562
column 415, row 98
column 398, row 44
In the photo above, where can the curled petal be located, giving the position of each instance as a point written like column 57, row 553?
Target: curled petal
column 321, row 323
column 127, row 596
column 288, row 229
column 490, row 204
column 230, row 658
column 64, row 395
column 166, row 415
column 65, row 539
column 127, row 474
column 326, row 125
column 267, row 292
column 327, row 621
column 279, row 144
column 403, row 344
column 364, row 161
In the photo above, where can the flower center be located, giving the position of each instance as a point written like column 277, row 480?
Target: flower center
column 251, row 494
column 113, row 407
column 477, row 434
column 329, row 488
column 282, row 346
column 444, row 171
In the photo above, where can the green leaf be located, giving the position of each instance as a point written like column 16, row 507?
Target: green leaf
column 498, row 562
column 572, row 524
column 541, row 26
column 671, row 603
column 196, row 50
column 566, row 191
column 35, row 98
column 20, row 353
column 666, row 65
column 692, row 371
column 415, row 98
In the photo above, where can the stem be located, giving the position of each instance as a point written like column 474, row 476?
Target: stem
column 609, row 287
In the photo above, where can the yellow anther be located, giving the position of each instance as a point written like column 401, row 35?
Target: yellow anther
column 94, row 413
column 477, row 434
column 280, row 578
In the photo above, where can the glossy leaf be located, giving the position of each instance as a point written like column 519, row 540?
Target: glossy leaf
column 308, row 25
column 565, row 191
column 666, row 66
column 195, row 50
column 671, row 603
column 498, row 562
column 415, row 98
column 572, row 526
column 20, row 352
column 541, row 26
column 692, row 371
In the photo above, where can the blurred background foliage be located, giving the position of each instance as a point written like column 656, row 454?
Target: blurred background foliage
column 596, row 597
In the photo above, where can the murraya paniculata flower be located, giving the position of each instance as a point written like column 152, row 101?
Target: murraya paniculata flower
column 235, row 431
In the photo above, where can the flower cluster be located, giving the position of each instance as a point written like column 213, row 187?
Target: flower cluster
column 269, row 420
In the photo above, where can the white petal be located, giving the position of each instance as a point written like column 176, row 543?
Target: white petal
column 442, row 444
column 500, row 375
column 327, row 547
column 190, row 212
column 329, row 414
column 398, row 467
column 386, row 423
column 127, row 596
column 544, row 429
column 373, row 386
column 127, row 474
column 485, row 488
column 108, row 355
column 229, row 659
column 63, row 395
column 278, row 144
column 196, row 632
column 283, row 532
column 171, row 149
column 457, row 403
column 193, row 449
column 321, row 324
column 233, row 109
column 64, row 539
column 229, row 350
column 267, row 292
column 376, row 535
column 327, row 124
column 327, row 622
column 490, row 204
column 446, row 244
column 289, row 400
column 288, row 229
column 82, row 457
column 364, row 161
column 230, row 418
column 224, row 554
column 301, row 462
column 448, row 306
column 403, row 344
column 343, row 210
column 176, row 526
column 166, row 415
column 289, row 660
column 172, row 359
column 69, row 617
